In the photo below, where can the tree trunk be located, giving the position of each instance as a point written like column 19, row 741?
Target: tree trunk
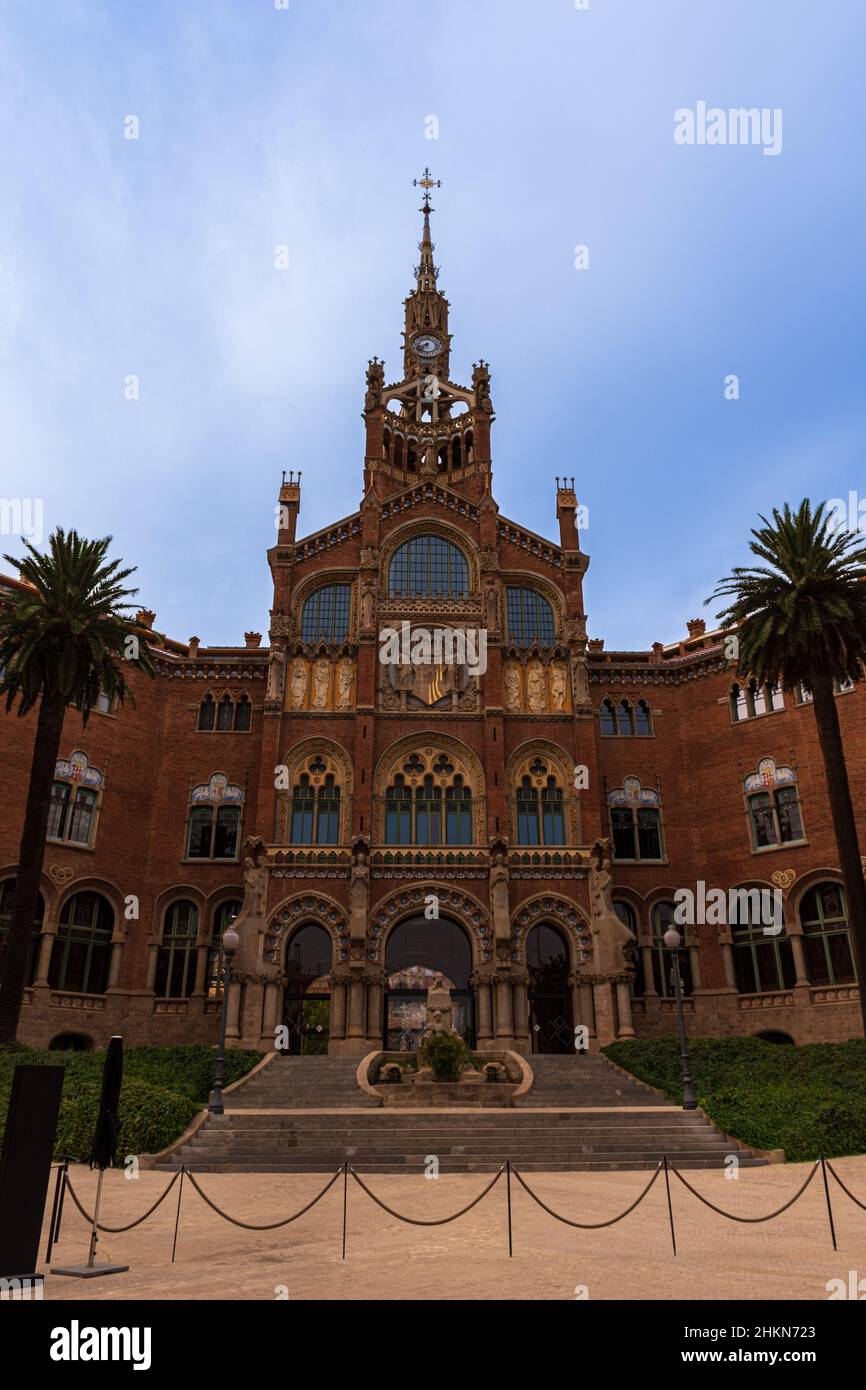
column 845, row 826
column 31, row 854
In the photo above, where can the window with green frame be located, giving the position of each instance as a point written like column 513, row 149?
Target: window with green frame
column 176, row 958
column 225, row 913
column 325, row 614
column 826, row 935
column 763, row 959
column 428, row 565
column 540, row 818
column 430, row 816
column 7, row 898
column 663, row 965
column 81, row 954
column 530, row 618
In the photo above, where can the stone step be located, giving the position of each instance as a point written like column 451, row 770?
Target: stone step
column 534, row 1165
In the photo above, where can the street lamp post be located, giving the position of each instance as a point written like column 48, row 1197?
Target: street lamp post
column 230, row 942
column 673, row 941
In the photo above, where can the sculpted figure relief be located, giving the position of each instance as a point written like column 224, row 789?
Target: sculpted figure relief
column 511, row 681
column 255, row 878
column 299, row 682
column 321, row 683
column 359, row 894
column 558, row 685
column 368, row 608
column 345, row 679
column 535, row 686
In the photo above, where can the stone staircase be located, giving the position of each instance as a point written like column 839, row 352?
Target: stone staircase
column 307, row 1115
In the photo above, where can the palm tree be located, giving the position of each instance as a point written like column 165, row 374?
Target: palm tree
column 801, row 616
column 65, row 635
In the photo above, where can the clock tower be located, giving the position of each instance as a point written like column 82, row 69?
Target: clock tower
column 427, row 425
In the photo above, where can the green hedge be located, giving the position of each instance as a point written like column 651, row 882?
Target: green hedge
column 809, row 1101
column 163, row 1088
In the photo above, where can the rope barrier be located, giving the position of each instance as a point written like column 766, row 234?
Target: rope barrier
column 118, row 1230
column 746, row 1220
column 846, row 1190
column 584, row 1225
column 272, row 1225
column 440, row 1221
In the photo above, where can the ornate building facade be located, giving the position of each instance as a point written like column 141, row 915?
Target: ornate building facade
column 515, row 808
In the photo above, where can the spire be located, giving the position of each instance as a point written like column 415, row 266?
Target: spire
column 426, row 271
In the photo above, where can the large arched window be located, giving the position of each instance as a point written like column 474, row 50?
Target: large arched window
column 763, row 959
column 81, row 955
column 663, row 977
column 175, row 964
column 530, row 618
column 325, row 615
column 428, row 565
column 429, row 801
column 415, row 952
column 7, row 898
column 826, row 935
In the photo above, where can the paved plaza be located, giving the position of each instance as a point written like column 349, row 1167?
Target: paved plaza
column 790, row 1257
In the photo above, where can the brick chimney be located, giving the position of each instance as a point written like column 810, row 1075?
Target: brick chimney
column 145, row 618
column 697, row 627
column 192, row 649
column 596, row 644
column 252, row 639
column 658, row 651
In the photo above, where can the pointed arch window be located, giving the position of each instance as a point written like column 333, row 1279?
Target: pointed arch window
column 428, row 565
column 540, row 809
column 207, row 712
column 608, row 718
column 325, row 614
column 316, row 812
column 226, row 715
column 81, row 954
column 398, row 813
column 625, row 720
column 429, row 802
column 763, row 960
column 752, row 700
column 826, row 935
column 530, row 618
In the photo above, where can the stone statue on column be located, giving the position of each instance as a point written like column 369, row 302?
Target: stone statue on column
column 499, row 898
column 359, row 892
column 612, row 938
column 440, row 1013
column 276, row 674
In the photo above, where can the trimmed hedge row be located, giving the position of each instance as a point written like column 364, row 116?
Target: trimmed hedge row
column 163, row 1088
column 809, row 1101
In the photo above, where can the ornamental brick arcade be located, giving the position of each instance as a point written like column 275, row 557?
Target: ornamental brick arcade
column 520, row 824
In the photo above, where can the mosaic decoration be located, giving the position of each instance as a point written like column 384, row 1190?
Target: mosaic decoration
column 549, row 909
column 631, row 793
column 77, row 769
column 307, row 908
column 768, row 776
column 218, row 788
column 467, row 911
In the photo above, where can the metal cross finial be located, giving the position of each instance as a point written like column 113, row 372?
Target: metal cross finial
column 426, row 183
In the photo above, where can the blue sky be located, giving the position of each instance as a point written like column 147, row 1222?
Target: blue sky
column 304, row 127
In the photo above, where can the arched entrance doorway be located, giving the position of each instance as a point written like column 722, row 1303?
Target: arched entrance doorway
column 307, row 997
column 551, row 1018
column 415, row 951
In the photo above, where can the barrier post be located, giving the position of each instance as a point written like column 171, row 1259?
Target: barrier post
column 54, row 1224
column 670, row 1205
column 345, row 1201
column 508, row 1190
column 829, row 1207
column 177, row 1214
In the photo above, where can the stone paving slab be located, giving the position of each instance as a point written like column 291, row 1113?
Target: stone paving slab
column 790, row 1257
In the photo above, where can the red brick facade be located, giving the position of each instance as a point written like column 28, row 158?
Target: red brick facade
column 331, row 706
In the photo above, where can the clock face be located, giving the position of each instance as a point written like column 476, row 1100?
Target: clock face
column 426, row 345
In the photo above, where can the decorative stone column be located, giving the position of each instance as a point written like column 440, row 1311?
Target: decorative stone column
column 269, row 1011
column 114, row 963
column 581, row 1002
column 234, row 1009
column 200, row 969
column 520, row 1005
column 151, row 965
column 504, row 1011
column 602, row 994
column 338, row 1009
column 357, row 998
column 623, row 1002
column 43, row 965
column 375, row 988
column 795, row 936
column 480, row 981
column 649, row 978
